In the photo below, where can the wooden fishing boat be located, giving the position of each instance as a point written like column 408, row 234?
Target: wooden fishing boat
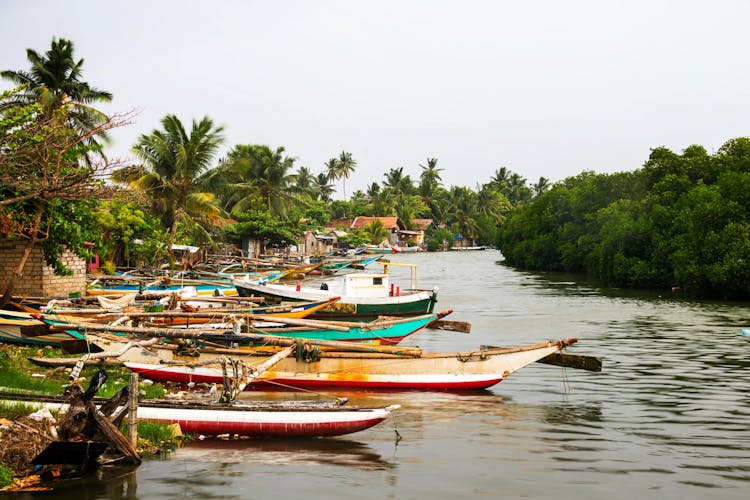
column 254, row 329
column 449, row 371
column 362, row 296
column 365, row 260
column 193, row 312
column 252, row 419
column 23, row 328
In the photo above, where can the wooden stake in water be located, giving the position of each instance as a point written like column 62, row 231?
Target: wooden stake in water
column 133, row 410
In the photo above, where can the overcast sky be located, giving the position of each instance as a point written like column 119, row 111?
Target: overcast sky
column 545, row 88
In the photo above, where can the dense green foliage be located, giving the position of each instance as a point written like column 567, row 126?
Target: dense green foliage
column 683, row 220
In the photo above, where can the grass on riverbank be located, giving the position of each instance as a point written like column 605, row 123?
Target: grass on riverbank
column 13, row 410
column 6, row 476
column 17, row 372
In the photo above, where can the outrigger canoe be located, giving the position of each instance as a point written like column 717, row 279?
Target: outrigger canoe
column 449, row 371
column 256, row 330
column 252, row 419
column 26, row 329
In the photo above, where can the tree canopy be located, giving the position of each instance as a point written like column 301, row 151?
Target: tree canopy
column 681, row 221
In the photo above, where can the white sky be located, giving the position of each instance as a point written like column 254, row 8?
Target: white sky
column 546, row 88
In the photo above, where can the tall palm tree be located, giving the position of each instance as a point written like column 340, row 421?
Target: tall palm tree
column 332, row 169
column 54, row 81
column 175, row 160
column 429, row 178
column 429, row 182
column 345, row 167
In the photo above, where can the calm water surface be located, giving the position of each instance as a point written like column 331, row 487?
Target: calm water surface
column 669, row 417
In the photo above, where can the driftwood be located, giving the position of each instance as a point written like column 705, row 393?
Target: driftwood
column 83, row 421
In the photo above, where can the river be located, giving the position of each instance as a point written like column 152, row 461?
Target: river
column 668, row 417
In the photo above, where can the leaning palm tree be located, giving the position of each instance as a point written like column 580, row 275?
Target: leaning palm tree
column 175, row 160
column 332, row 169
column 54, row 81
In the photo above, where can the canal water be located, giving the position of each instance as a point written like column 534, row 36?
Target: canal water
column 668, row 417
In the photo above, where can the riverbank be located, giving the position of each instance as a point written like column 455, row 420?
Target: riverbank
column 25, row 431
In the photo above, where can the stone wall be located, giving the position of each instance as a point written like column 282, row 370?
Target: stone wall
column 39, row 279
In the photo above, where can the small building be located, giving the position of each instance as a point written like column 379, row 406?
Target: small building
column 415, row 236
column 39, row 279
column 313, row 243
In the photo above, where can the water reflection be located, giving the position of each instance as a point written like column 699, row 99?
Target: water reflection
column 113, row 482
column 340, row 452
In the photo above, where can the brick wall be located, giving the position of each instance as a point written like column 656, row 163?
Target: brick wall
column 39, row 280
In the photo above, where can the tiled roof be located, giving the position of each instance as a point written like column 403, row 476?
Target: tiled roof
column 420, row 224
column 362, row 222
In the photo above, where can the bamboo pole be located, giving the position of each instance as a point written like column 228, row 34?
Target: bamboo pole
column 133, row 410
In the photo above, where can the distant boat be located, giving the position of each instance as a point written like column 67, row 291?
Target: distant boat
column 460, row 249
column 385, row 249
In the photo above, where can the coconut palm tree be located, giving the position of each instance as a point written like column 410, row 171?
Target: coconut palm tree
column 303, row 179
column 540, row 187
column 322, row 188
column 429, row 179
column 345, row 166
column 380, row 199
column 54, row 81
column 398, row 182
column 500, row 178
column 268, row 179
column 175, row 161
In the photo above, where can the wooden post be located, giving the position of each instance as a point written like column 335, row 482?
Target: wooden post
column 133, row 410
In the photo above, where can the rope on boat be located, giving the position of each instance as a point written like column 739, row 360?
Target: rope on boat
column 339, row 399
column 395, row 428
column 566, row 384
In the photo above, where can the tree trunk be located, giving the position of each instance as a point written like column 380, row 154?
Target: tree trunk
column 18, row 272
